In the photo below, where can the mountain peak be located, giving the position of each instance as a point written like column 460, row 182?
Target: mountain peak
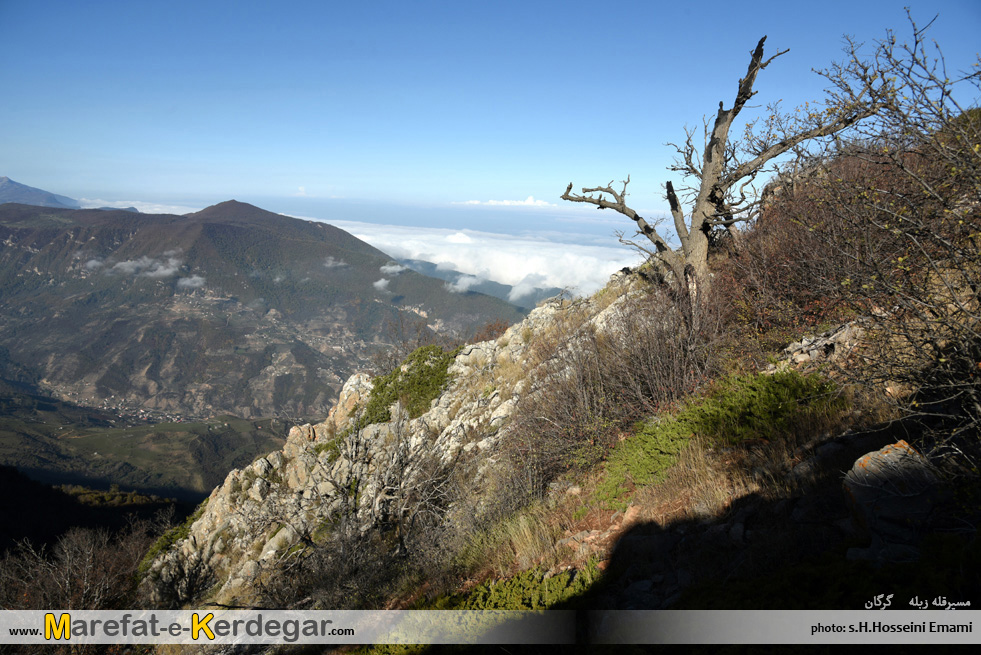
column 11, row 191
column 233, row 209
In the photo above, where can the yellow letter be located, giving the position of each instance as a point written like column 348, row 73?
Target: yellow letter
column 197, row 625
column 62, row 627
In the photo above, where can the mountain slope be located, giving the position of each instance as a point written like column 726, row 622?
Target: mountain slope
column 402, row 508
column 11, row 191
column 229, row 310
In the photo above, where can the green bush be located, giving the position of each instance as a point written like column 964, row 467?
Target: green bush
column 332, row 447
column 643, row 459
column 528, row 590
column 421, row 378
column 760, row 406
column 735, row 409
column 531, row 590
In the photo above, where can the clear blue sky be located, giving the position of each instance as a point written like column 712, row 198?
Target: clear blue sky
column 418, row 106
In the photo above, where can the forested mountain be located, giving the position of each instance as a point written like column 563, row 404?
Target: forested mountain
column 231, row 309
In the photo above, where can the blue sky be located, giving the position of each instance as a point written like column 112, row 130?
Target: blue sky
column 401, row 112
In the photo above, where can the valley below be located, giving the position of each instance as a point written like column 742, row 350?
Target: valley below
column 58, row 443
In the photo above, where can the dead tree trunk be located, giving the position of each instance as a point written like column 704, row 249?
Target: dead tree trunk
column 723, row 194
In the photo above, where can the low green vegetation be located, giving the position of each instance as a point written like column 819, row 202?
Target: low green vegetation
column 332, row 447
column 415, row 384
column 736, row 409
column 761, row 406
column 114, row 497
column 529, row 590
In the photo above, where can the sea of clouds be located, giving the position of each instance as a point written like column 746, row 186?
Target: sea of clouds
column 525, row 261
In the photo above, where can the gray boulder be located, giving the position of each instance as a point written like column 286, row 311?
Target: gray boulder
column 892, row 492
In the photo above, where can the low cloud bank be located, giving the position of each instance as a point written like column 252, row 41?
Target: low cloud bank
column 392, row 269
column 527, row 202
column 143, row 207
column 463, row 284
column 193, row 282
column 524, row 261
column 166, row 266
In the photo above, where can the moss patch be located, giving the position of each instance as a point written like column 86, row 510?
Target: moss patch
column 421, row 378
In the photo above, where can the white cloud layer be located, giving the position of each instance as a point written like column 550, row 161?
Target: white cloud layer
column 527, row 202
column 527, row 286
column 392, row 269
column 330, row 262
column 381, row 285
column 581, row 267
column 463, row 284
column 149, row 266
column 144, row 207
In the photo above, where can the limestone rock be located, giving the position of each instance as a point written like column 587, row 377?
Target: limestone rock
column 832, row 345
column 354, row 392
column 892, row 492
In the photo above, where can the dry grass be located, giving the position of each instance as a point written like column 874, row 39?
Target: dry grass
column 704, row 483
column 517, row 543
column 508, row 374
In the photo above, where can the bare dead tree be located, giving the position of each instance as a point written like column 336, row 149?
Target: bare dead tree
column 722, row 192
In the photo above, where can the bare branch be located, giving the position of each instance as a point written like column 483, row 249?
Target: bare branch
column 664, row 250
column 723, row 191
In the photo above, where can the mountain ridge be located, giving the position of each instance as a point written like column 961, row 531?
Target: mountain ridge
column 11, row 191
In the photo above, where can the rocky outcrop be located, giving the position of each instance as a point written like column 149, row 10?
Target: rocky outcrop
column 893, row 492
column 291, row 498
column 831, row 346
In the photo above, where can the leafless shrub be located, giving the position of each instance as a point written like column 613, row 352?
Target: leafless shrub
column 87, row 569
column 648, row 350
column 900, row 201
column 367, row 546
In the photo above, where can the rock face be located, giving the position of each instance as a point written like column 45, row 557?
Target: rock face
column 833, row 345
column 893, row 492
column 292, row 497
